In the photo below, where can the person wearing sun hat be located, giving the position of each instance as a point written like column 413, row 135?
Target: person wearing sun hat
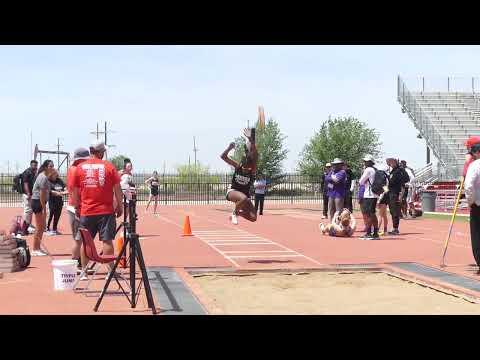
column 336, row 188
column 323, row 185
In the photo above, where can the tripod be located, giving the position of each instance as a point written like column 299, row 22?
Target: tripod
column 131, row 239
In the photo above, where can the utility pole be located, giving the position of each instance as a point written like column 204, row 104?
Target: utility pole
column 105, row 134
column 58, row 153
column 195, row 149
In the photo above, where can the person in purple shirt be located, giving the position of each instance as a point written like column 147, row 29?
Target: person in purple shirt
column 335, row 181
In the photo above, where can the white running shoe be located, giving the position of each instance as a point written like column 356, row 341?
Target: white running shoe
column 234, row 219
column 39, row 253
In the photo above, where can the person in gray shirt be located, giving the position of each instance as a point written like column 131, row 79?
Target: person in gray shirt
column 40, row 195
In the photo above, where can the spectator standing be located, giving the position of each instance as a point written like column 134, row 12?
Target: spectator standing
column 336, row 188
column 79, row 156
column 55, row 203
column 154, row 184
column 40, row 196
column 398, row 178
column 382, row 204
column 349, row 185
column 28, row 179
column 324, row 188
column 472, row 194
column 96, row 182
column 260, row 186
column 409, row 193
column 369, row 202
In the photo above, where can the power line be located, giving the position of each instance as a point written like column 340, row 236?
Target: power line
column 105, row 138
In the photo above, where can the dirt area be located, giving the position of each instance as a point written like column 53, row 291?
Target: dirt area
column 327, row 293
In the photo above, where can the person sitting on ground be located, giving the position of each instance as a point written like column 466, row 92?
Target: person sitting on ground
column 343, row 225
column 242, row 180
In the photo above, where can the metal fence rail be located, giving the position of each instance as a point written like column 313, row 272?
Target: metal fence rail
column 200, row 189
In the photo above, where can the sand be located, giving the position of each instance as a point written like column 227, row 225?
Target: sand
column 327, row 293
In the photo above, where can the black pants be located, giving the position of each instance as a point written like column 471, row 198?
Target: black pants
column 259, row 199
column 475, row 232
column 55, row 207
column 325, row 205
column 394, row 206
column 348, row 200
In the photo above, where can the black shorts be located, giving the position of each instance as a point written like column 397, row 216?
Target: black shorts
column 385, row 199
column 368, row 206
column 37, row 207
column 154, row 191
column 104, row 225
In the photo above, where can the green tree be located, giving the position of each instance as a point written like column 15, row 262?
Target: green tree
column 271, row 151
column 117, row 161
column 346, row 138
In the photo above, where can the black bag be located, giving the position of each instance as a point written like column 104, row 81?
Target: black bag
column 379, row 182
column 23, row 255
column 18, row 183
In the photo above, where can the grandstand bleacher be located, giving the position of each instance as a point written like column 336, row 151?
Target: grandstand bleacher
column 445, row 119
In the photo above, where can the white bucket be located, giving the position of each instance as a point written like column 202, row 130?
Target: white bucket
column 64, row 274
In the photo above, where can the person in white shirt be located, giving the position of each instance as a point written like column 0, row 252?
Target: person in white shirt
column 369, row 202
column 472, row 194
column 260, row 186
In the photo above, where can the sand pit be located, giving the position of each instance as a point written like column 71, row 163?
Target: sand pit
column 327, row 293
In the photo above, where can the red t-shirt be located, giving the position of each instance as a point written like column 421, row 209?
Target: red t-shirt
column 96, row 179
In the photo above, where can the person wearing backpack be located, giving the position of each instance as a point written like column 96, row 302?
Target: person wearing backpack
column 398, row 178
column 371, row 180
column 25, row 182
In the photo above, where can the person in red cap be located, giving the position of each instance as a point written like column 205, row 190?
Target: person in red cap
column 472, row 140
column 472, row 194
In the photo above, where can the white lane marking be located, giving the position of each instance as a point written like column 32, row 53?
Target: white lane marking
column 255, row 251
column 242, row 244
column 262, row 256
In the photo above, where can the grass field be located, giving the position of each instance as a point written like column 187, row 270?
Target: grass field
column 447, row 217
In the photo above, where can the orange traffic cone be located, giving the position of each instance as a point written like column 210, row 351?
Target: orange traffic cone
column 187, row 230
column 123, row 260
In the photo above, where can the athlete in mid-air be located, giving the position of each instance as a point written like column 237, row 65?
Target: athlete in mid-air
column 243, row 177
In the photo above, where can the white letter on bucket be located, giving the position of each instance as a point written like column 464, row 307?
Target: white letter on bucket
column 64, row 274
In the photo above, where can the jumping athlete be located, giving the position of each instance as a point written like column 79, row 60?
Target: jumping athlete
column 154, row 184
column 243, row 177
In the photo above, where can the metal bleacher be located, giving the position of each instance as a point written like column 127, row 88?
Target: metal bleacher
column 445, row 120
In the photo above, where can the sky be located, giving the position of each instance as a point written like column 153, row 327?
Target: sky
column 157, row 98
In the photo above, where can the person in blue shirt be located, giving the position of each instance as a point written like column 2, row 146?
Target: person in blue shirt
column 335, row 181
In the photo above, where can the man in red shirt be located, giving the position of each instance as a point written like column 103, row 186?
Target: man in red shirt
column 79, row 156
column 96, row 182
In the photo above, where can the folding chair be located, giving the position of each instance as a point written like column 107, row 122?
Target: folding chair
column 93, row 257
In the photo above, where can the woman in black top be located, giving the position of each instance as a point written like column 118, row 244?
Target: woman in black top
column 55, row 203
column 242, row 180
column 154, row 184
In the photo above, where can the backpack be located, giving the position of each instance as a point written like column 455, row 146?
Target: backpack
column 23, row 253
column 379, row 181
column 17, row 185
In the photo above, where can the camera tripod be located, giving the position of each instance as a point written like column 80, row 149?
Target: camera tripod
column 131, row 239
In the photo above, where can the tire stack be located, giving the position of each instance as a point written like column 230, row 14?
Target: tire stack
column 8, row 255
